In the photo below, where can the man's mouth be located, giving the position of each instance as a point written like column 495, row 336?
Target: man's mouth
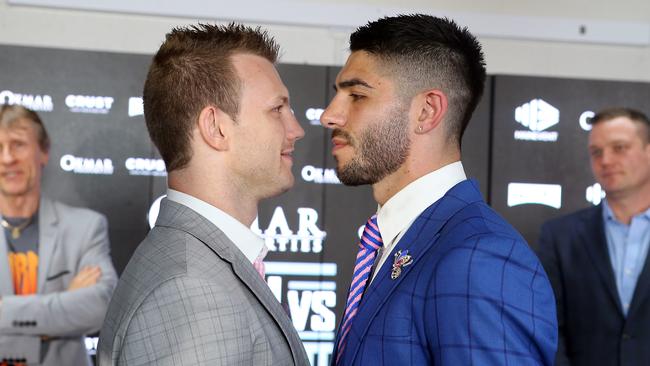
column 340, row 139
column 287, row 154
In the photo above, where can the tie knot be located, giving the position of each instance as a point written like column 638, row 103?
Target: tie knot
column 371, row 238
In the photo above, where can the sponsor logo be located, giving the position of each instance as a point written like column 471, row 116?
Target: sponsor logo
column 313, row 115
column 39, row 103
column 584, row 120
column 537, row 115
column 280, row 238
column 535, row 194
column 152, row 215
column 319, row 175
column 143, row 166
column 594, row 194
column 136, row 107
column 79, row 165
column 89, row 104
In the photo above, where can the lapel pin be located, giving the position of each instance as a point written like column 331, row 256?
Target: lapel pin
column 401, row 260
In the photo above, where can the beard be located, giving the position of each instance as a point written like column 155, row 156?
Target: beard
column 381, row 149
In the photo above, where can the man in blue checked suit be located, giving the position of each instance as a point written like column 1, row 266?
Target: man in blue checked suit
column 440, row 278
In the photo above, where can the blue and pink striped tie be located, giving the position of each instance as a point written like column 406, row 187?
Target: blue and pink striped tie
column 370, row 243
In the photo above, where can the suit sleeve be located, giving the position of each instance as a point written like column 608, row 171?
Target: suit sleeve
column 548, row 255
column 187, row 321
column 490, row 303
column 67, row 313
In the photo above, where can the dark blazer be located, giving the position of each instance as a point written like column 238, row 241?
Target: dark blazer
column 475, row 294
column 593, row 329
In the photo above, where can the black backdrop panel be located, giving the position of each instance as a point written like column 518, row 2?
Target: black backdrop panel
column 540, row 161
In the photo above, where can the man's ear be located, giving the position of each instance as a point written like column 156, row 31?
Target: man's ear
column 45, row 158
column 431, row 107
column 212, row 127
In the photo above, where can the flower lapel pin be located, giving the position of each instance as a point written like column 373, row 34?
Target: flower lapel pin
column 401, row 260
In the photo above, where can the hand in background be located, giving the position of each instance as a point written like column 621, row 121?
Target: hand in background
column 87, row 276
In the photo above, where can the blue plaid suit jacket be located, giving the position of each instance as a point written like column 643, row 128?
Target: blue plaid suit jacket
column 475, row 294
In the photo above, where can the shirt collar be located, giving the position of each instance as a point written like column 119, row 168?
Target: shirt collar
column 243, row 238
column 608, row 214
column 406, row 205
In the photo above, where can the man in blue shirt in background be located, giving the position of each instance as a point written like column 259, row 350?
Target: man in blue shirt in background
column 596, row 258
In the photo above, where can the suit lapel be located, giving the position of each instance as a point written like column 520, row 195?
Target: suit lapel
column 179, row 216
column 47, row 239
column 591, row 231
column 6, row 283
column 642, row 288
column 420, row 237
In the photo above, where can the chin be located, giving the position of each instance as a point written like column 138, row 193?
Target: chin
column 281, row 187
column 288, row 184
column 13, row 191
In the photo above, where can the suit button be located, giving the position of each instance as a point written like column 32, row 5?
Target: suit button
column 14, row 323
column 626, row 336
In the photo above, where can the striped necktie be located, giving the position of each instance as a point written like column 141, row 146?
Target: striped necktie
column 370, row 243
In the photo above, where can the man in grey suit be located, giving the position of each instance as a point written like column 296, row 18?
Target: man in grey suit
column 192, row 293
column 56, row 276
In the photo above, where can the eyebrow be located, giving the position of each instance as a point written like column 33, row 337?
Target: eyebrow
column 284, row 99
column 350, row 83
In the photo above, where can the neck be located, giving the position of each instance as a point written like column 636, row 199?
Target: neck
column 412, row 169
column 626, row 207
column 19, row 206
column 217, row 192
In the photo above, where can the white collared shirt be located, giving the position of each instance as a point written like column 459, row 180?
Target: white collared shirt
column 243, row 238
column 400, row 211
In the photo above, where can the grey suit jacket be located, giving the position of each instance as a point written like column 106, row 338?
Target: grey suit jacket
column 189, row 297
column 69, row 239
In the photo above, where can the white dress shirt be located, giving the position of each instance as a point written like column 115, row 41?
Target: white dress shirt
column 400, row 211
column 245, row 239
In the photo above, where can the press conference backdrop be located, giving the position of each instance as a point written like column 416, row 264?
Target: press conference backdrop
column 525, row 131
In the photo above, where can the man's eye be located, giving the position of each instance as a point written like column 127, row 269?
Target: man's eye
column 356, row 97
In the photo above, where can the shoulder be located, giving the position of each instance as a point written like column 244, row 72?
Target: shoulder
column 477, row 219
column 168, row 252
column 161, row 255
column 154, row 264
column 490, row 264
column 477, row 244
column 566, row 222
